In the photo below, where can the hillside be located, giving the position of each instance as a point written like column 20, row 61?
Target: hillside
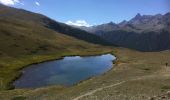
column 143, row 32
column 22, row 16
column 26, row 39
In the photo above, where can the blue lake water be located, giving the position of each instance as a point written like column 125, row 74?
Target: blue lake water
column 67, row 71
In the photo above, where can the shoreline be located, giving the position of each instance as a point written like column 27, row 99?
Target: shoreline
column 20, row 73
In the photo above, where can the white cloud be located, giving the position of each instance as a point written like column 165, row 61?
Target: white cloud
column 37, row 3
column 78, row 23
column 9, row 2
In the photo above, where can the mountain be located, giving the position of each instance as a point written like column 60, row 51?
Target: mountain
column 27, row 38
column 143, row 32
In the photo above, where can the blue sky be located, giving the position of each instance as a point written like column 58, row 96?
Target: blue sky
column 92, row 12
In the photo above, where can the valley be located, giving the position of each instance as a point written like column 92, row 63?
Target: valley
column 141, row 70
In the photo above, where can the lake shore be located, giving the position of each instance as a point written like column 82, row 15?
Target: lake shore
column 77, row 69
column 48, row 59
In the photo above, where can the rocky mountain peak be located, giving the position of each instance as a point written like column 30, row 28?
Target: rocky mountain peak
column 111, row 23
column 138, row 15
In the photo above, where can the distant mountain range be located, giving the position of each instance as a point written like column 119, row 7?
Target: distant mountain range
column 143, row 32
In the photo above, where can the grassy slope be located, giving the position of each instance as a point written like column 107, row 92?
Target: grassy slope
column 23, row 43
column 30, row 17
column 139, row 77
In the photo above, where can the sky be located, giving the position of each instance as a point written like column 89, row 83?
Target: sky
column 91, row 12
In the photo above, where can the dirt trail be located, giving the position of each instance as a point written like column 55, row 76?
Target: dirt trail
column 96, row 90
column 113, row 85
column 116, row 84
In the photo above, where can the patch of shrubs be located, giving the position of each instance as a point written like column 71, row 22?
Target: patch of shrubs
column 43, row 47
column 16, row 45
column 33, row 51
column 19, row 98
column 166, row 87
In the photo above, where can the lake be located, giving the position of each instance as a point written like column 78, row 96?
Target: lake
column 67, row 71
